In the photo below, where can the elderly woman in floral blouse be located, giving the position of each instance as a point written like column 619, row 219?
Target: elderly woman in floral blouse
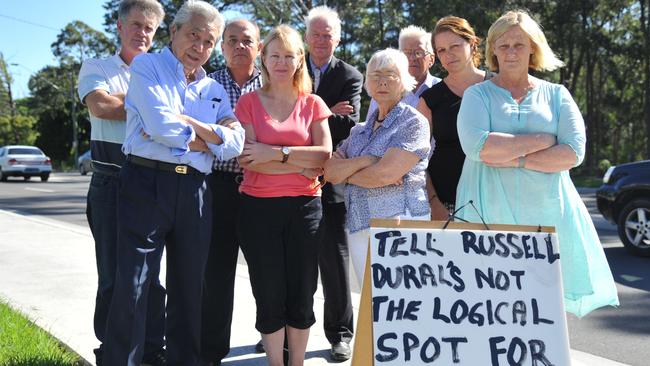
column 384, row 160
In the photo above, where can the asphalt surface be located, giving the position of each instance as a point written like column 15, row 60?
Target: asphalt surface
column 621, row 334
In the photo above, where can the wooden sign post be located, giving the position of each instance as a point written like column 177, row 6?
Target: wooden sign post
column 463, row 295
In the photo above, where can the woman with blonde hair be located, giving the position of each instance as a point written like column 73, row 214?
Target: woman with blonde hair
column 457, row 47
column 288, row 141
column 521, row 136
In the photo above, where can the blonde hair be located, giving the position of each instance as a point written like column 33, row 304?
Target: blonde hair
column 391, row 58
column 462, row 29
column 415, row 32
column 543, row 57
column 290, row 40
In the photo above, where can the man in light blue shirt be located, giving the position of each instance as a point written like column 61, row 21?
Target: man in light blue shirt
column 178, row 122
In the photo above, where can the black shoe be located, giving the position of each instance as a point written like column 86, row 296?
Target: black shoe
column 340, row 351
column 259, row 347
column 158, row 358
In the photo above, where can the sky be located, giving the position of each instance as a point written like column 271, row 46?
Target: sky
column 29, row 27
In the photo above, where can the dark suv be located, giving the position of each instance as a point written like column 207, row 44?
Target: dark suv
column 624, row 199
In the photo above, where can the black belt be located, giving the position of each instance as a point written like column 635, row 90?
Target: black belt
column 228, row 176
column 163, row 166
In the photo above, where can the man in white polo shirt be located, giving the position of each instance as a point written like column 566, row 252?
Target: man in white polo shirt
column 102, row 87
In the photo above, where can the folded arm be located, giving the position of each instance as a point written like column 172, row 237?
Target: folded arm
column 504, row 147
column 314, row 156
column 103, row 105
column 390, row 169
column 338, row 169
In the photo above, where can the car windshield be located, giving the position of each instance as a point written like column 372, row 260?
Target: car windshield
column 24, row 151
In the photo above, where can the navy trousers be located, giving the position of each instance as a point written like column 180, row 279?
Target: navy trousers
column 219, row 285
column 101, row 212
column 333, row 262
column 159, row 209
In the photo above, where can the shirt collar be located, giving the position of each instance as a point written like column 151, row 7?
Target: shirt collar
column 256, row 74
column 428, row 82
column 175, row 64
column 117, row 59
column 322, row 68
column 388, row 120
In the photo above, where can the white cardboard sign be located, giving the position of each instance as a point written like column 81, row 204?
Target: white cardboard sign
column 467, row 297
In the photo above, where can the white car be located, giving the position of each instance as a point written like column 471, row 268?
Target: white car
column 24, row 161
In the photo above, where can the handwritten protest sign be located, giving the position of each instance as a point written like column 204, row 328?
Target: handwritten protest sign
column 465, row 296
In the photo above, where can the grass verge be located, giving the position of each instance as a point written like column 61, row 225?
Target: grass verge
column 22, row 343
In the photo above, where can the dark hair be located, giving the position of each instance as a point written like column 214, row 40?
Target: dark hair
column 461, row 28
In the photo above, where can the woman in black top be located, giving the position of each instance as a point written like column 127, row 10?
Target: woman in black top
column 457, row 47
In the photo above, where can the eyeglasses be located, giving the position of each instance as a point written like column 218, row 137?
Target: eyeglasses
column 389, row 77
column 416, row 53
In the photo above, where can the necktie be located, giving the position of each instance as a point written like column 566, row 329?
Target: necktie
column 317, row 74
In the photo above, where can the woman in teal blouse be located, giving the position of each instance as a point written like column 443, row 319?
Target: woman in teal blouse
column 521, row 136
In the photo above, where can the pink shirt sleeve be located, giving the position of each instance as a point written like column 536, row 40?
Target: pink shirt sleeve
column 244, row 110
column 320, row 110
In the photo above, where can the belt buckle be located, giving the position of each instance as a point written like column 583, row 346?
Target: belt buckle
column 181, row 169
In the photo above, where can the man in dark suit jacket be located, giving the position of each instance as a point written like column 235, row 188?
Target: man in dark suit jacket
column 339, row 84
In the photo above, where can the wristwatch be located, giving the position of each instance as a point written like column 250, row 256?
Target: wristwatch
column 285, row 153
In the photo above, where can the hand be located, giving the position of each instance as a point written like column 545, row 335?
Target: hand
column 233, row 125
column 186, row 119
column 198, row 145
column 514, row 163
column 119, row 96
column 337, row 155
column 438, row 211
column 257, row 153
column 312, row 173
column 343, row 108
column 549, row 139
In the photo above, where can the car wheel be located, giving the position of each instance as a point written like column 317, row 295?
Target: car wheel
column 82, row 169
column 27, row 177
column 45, row 177
column 3, row 177
column 634, row 227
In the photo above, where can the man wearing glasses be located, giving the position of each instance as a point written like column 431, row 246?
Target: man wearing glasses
column 240, row 47
column 415, row 43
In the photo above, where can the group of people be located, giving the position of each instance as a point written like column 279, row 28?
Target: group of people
column 271, row 157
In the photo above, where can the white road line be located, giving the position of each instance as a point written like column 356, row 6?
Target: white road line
column 39, row 190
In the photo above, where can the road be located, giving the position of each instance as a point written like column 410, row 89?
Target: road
column 621, row 334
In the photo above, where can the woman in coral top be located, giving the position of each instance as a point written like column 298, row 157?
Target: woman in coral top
column 288, row 141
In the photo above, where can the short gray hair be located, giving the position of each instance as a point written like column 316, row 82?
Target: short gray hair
column 240, row 20
column 148, row 7
column 392, row 58
column 413, row 31
column 201, row 8
column 329, row 15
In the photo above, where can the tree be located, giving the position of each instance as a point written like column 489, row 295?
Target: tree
column 15, row 127
column 77, row 41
